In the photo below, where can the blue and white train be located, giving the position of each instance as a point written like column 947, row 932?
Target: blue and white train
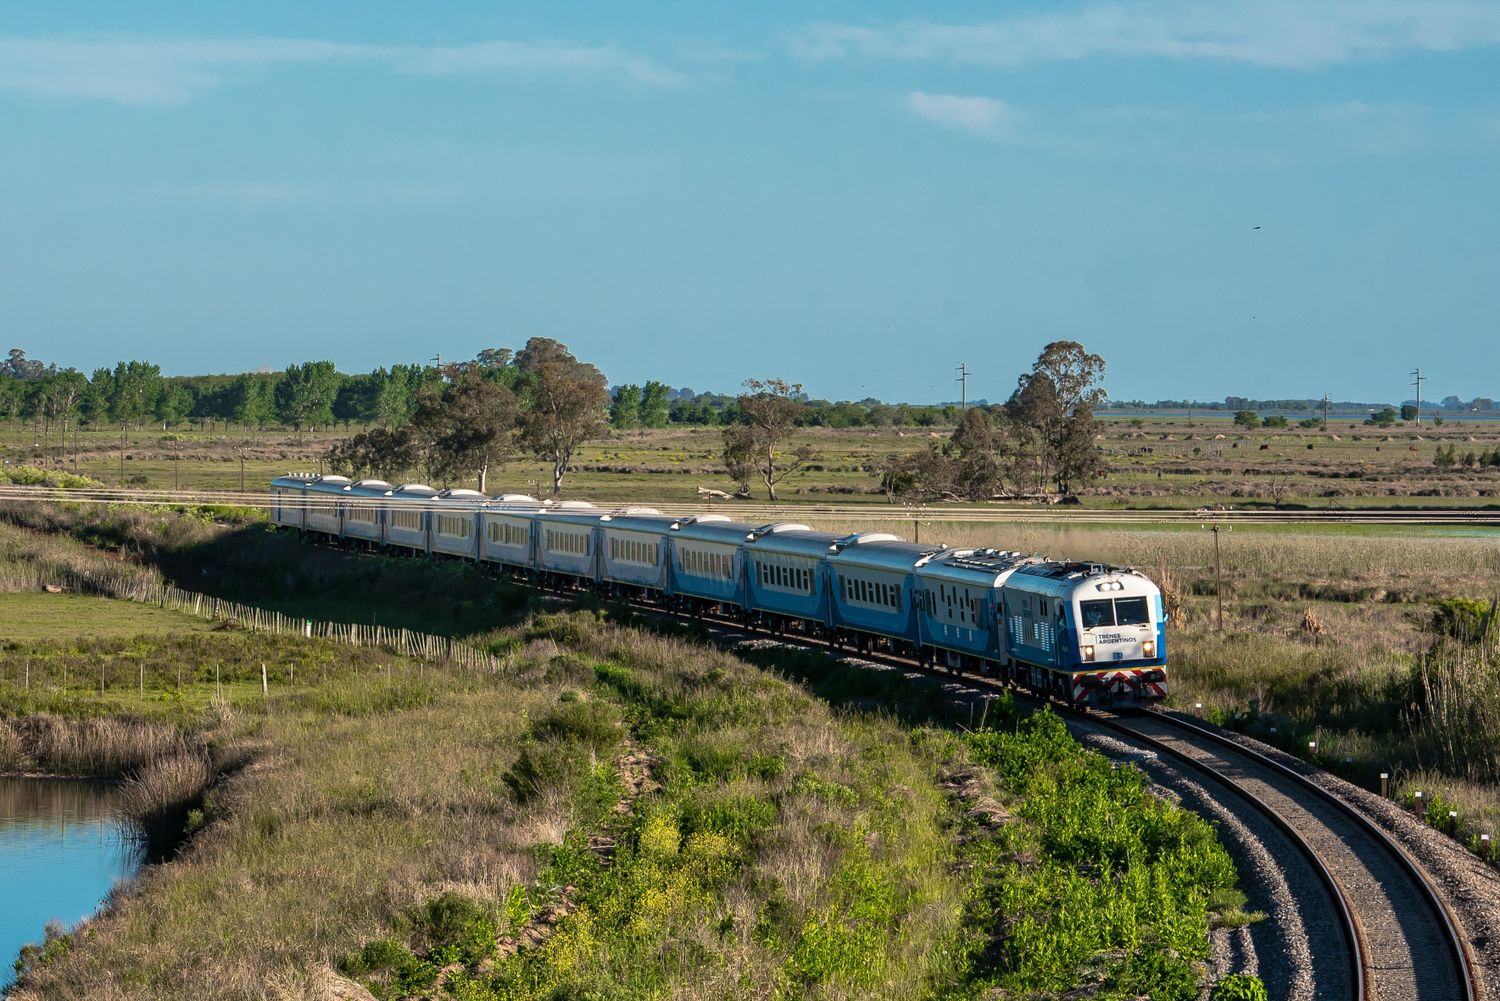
column 1085, row 633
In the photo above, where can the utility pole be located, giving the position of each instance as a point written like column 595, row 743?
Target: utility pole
column 963, row 382
column 1417, row 381
column 1218, row 579
column 1325, row 411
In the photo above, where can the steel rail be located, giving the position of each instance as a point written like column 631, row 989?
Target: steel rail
column 1459, row 951
column 1360, row 965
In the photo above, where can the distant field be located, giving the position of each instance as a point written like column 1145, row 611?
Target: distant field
column 1165, row 461
column 26, row 618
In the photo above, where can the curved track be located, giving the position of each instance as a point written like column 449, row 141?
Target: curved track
column 1412, row 944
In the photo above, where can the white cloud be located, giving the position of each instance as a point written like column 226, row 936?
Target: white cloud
column 983, row 116
column 1277, row 33
column 157, row 71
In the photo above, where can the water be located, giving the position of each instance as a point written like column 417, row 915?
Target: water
column 61, row 850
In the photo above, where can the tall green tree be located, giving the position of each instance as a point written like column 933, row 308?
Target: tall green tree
column 135, row 385
column 1052, row 412
column 566, row 405
column 625, row 411
column 250, row 400
column 173, row 404
column 655, row 407
column 465, row 426
column 305, row 395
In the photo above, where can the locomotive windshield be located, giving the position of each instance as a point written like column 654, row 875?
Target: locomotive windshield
column 1115, row 612
column 1098, row 613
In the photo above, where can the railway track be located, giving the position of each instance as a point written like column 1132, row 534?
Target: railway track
column 1404, row 942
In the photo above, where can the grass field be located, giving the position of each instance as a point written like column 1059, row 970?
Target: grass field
column 1165, row 462
column 617, row 813
column 28, row 617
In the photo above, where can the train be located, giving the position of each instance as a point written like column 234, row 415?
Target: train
column 1088, row 634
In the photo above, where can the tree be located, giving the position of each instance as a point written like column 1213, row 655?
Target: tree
column 305, row 395
column 1384, row 417
column 1275, row 421
column 380, row 451
column 465, row 425
column 173, row 404
column 134, row 387
column 1051, row 417
column 567, row 404
column 625, row 412
column 355, row 400
column 18, row 366
column 250, row 400
column 1246, row 419
column 1408, row 411
column 655, row 406
column 11, row 398
column 767, row 416
column 494, row 358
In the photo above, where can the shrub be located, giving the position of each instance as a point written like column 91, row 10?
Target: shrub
column 1239, row 987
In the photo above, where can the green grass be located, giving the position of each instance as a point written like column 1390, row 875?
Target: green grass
column 25, row 618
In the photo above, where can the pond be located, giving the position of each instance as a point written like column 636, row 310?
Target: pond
column 62, row 849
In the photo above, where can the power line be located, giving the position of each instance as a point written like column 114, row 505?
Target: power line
column 963, row 382
column 1418, row 383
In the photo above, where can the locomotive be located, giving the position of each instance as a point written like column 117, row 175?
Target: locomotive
column 1085, row 633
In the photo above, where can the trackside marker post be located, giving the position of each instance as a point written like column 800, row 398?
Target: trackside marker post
column 1385, row 785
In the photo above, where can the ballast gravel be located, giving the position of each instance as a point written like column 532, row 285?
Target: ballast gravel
column 1469, row 885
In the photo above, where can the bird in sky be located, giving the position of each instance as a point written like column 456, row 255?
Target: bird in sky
column 1255, row 227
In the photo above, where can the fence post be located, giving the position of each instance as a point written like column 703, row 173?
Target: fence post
column 265, row 691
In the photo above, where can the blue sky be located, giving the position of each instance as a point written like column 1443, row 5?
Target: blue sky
column 853, row 196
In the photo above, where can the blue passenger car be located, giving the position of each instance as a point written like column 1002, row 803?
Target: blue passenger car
column 507, row 529
column 785, row 578
column 870, row 578
column 406, row 517
column 707, row 566
column 633, row 550
column 364, row 512
column 566, row 547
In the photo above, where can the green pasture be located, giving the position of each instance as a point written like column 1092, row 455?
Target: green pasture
column 40, row 616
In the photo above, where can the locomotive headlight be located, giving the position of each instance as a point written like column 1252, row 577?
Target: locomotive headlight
column 1088, row 651
column 1148, row 648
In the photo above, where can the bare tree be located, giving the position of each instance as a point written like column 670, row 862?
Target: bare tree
column 768, row 415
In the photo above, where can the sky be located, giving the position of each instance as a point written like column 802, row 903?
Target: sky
column 1260, row 197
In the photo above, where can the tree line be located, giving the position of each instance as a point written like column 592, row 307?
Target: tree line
column 463, row 420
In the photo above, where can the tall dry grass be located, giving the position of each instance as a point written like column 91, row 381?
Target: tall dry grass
column 104, row 747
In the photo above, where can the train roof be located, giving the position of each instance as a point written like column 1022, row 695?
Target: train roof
column 712, row 528
column 980, row 567
column 880, row 551
column 639, row 519
column 1065, row 577
column 370, row 488
column 791, row 539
